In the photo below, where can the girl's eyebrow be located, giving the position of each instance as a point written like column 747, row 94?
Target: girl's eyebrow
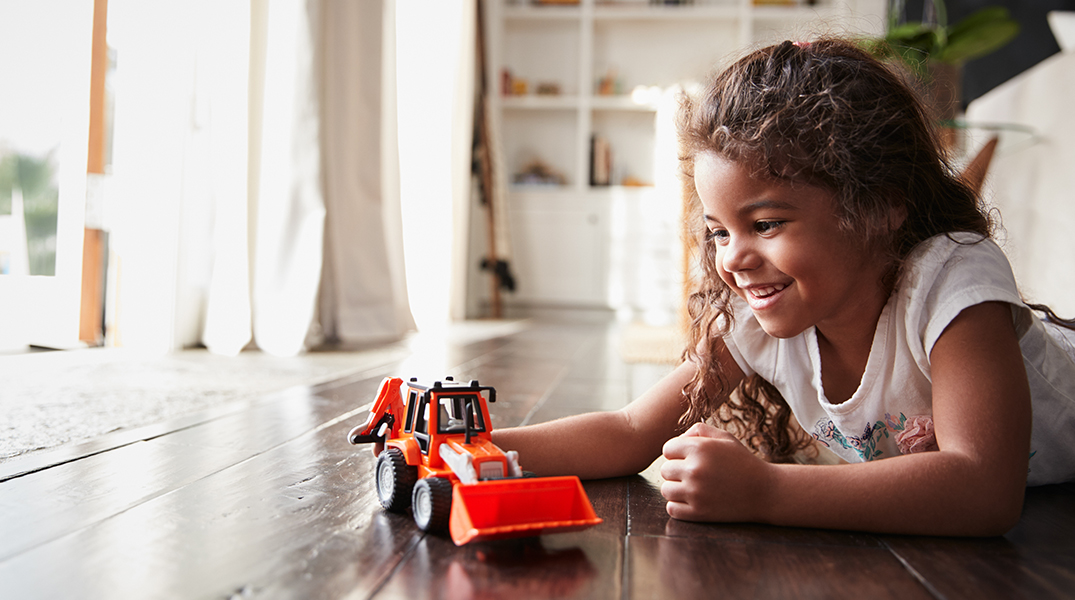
column 759, row 205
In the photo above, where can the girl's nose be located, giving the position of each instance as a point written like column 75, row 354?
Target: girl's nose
column 738, row 256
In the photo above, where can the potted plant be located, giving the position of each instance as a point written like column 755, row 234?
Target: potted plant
column 934, row 51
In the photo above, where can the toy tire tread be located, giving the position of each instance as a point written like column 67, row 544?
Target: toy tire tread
column 432, row 504
column 395, row 480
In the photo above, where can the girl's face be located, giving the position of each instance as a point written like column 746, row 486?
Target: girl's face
column 780, row 248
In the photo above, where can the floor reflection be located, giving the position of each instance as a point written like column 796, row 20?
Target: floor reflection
column 524, row 568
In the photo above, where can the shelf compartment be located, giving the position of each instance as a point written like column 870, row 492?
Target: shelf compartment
column 544, row 136
column 675, row 52
column 542, row 51
column 631, row 136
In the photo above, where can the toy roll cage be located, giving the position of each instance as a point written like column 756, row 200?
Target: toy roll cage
column 462, row 415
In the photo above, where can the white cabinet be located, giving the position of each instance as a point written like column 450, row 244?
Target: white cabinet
column 615, row 68
column 561, row 248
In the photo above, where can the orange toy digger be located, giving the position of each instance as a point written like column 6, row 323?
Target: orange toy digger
column 440, row 459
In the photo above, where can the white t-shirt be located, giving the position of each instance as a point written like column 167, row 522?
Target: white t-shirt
column 941, row 278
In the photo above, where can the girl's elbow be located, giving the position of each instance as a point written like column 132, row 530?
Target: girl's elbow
column 994, row 525
column 997, row 513
column 978, row 503
column 988, row 495
column 1007, row 515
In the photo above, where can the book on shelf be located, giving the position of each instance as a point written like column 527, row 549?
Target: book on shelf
column 600, row 160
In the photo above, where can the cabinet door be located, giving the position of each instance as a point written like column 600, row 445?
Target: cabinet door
column 559, row 244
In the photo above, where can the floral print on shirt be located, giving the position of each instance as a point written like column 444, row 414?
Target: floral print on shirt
column 864, row 444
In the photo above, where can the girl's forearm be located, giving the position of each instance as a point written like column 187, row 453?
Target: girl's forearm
column 592, row 446
column 932, row 493
column 603, row 444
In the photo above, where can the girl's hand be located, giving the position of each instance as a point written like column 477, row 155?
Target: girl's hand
column 711, row 476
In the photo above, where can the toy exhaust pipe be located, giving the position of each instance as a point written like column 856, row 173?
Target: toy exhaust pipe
column 507, row 508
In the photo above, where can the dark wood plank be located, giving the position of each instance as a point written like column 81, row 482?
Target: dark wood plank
column 521, row 385
column 608, row 497
column 573, row 565
column 1036, row 559
column 668, row 558
column 41, row 508
column 684, row 568
column 77, row 494
column 260, row 525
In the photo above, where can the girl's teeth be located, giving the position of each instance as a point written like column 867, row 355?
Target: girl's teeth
column 767, row 291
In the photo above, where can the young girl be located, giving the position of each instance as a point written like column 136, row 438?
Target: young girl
column 848, row 280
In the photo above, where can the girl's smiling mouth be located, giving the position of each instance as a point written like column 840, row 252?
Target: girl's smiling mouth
column 761, row 296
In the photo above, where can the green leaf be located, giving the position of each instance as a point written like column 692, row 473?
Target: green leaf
column 978, row 41
column 981, row 33
column 985, row 16
column 906, row 31
column 922, row 44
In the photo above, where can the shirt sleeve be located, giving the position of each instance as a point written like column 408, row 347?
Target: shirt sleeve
column 965, row 272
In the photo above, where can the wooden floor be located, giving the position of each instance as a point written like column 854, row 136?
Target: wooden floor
column 268, row 500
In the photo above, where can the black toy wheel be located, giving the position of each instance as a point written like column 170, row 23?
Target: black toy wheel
column 432, row 504
column 395, row 480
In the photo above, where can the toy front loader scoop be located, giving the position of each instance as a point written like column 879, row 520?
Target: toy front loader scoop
column 440, row 460
column 527, row 506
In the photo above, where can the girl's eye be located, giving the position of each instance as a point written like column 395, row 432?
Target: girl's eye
column 720, row 235
column 764, row 227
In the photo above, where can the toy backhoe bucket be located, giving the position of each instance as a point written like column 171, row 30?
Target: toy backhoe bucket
column 506, row 508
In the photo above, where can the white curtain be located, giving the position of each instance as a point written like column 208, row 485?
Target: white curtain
column 435, row 85
column 290, row 204
column 362, row 281
column 248, row 177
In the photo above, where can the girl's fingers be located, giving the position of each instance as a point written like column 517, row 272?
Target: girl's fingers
column 673, row 491
column 680, row 446
column 672, row 470
column 681, row 511
column 674, row 449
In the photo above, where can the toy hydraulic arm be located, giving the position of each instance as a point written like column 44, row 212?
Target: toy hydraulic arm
column 386, row 415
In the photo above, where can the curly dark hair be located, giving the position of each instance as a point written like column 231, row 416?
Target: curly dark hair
column 828, row 114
